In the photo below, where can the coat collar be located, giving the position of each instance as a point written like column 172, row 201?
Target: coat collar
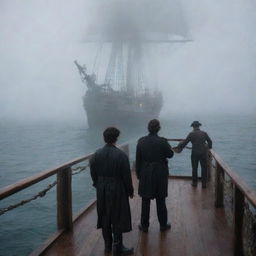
column 152, row 134
column 110, row 145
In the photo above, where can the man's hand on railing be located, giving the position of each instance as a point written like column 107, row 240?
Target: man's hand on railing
column 176, row 149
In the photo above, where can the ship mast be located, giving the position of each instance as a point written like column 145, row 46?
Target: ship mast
column 134, row 68
column 128, row 25
column 115, row 70
column 129, row 85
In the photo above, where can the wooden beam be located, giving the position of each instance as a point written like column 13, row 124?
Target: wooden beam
column 175, row 139
column 20, row 185
column 237, row 180
column 238, row 221
column 219, row 186
column 45, row 245
column 89, row 205
column 183, row 177
column 64, row 199
column 209, row 165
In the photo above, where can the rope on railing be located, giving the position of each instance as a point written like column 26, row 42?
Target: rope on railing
column 42, row 193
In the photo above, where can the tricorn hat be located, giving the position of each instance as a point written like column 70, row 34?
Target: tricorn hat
column 195, row 124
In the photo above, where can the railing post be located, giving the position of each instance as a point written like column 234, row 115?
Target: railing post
column 238, row 221
column 64, row 199
column 209, row 165
column 219, row 186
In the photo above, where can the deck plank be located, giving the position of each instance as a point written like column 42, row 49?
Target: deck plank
column 197, row 228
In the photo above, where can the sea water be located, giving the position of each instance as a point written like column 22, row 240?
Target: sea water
column 28, row 148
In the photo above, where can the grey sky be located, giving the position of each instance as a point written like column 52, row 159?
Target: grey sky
column 40, row 39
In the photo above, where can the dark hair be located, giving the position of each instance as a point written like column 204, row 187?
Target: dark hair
column 154, row 126
column 110, row 135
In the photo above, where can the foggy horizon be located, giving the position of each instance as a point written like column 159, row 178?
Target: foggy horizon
column 213, row 74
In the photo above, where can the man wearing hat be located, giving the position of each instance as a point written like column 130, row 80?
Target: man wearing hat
column 198, row 139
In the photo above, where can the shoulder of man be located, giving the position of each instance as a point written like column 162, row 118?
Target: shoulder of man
column 94, row 156
column 98, row 151
column 203, row 132
column 163, row 139
column 142, row 139
column 120, row 153
column 194, row 133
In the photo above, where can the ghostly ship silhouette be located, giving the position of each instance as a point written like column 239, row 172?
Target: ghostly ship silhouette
column 130, row 28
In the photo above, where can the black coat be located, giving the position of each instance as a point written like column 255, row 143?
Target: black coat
column 152, row 166
column 111, row 175
column 198, row 139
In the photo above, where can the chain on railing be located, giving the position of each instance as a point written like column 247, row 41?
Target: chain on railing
column 79, row 169
column 42, row 193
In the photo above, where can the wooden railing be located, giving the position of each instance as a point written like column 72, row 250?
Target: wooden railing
column 216, row 168
column 241, row 193
column 64, row 191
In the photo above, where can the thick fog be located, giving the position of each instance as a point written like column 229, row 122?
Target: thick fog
column 39, row 40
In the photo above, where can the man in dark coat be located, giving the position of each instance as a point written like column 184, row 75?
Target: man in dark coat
column 152, row 172
column 111, row 175
column 198, row 139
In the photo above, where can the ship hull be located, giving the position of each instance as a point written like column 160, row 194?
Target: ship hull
column 106, row 110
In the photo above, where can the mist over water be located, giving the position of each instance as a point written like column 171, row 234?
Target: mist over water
column 215, row 72
column 211, row 79
column 27, row 149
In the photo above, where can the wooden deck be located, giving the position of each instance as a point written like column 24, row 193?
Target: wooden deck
column 198, row 228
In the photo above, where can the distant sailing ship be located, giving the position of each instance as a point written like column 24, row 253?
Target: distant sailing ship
column 124, row 98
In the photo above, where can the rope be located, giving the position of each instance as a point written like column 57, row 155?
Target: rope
column 42, row 193
column 96, row 63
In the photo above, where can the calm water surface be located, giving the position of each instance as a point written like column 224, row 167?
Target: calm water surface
column 27, row 149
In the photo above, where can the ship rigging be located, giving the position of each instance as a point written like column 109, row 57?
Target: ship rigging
column 127, row 97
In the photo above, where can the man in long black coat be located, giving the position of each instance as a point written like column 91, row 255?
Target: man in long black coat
column 198, row 138
column 152, row 171
column 111, row 175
